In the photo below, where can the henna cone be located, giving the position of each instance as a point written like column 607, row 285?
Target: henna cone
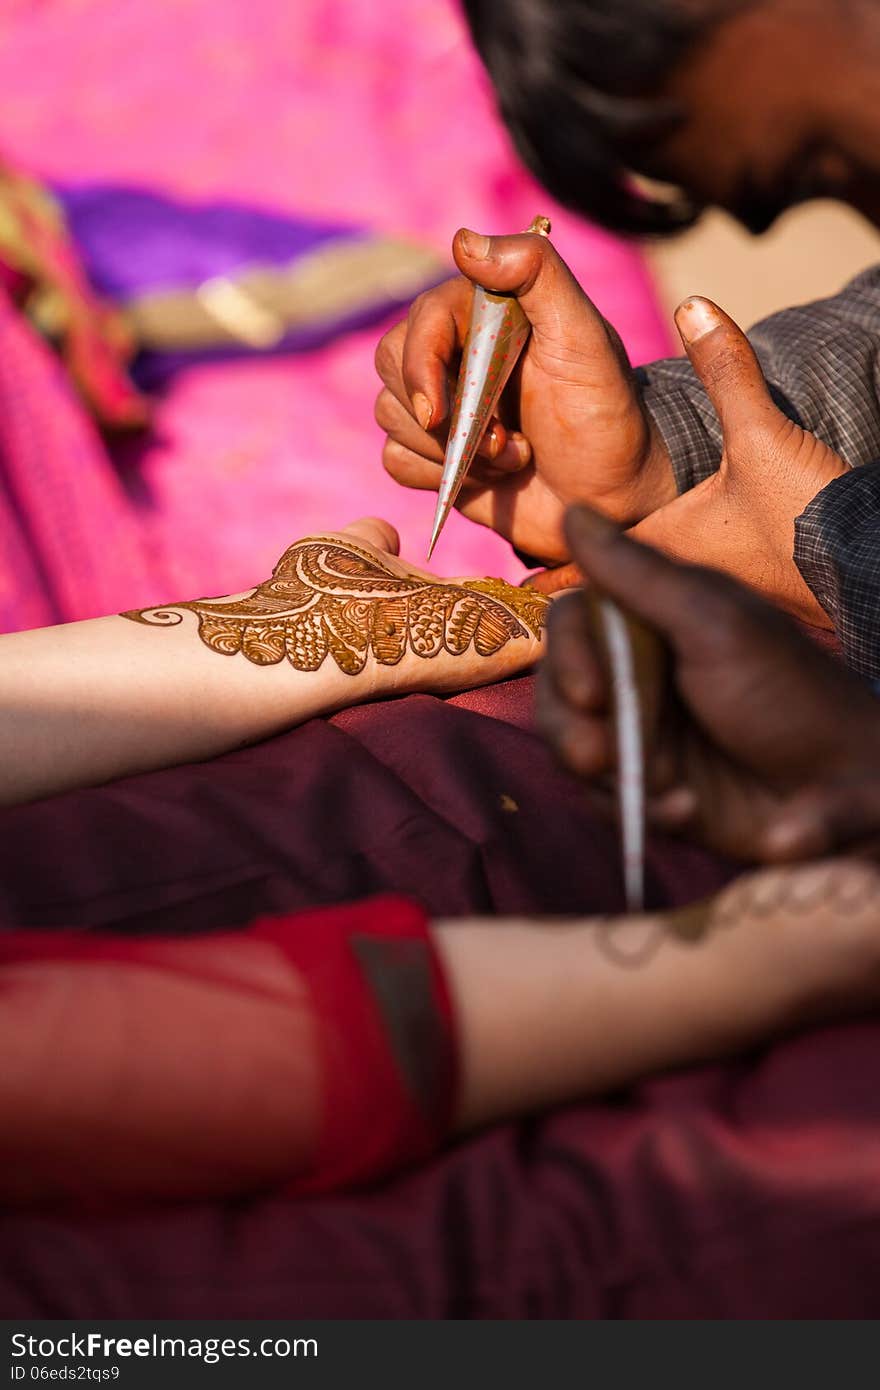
column 634, row 663
column 497, row 334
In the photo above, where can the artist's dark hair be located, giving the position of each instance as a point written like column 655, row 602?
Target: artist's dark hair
column 579, row 84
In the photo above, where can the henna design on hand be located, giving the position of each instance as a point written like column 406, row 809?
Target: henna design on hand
column 327, row 595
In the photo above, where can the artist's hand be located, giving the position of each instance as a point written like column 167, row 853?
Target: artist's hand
column 741, row 520
column 573, row 424
column 767, row 748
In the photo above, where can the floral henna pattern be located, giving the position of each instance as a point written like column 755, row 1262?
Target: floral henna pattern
column 327, row 596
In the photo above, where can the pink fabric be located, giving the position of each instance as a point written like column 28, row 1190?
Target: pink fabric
column 374, row 112
column 56, row 482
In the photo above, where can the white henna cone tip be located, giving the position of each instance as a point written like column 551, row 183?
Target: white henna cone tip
column 439, row 517
column 630, row 752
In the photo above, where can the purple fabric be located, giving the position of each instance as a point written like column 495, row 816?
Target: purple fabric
column 132, row 240
column 751, row 1190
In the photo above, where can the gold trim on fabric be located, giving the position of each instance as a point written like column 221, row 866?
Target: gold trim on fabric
column 260, row 305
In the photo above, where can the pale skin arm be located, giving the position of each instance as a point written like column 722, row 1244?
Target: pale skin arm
column 88, row 702
column 546, row 1013
column 555, row 1011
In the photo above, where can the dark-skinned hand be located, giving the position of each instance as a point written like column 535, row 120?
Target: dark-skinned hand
column 766, row 747
column 741, row 519
column 571, row 424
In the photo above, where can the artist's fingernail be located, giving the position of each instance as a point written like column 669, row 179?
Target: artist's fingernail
column 584, row 525
column 423, row 409
column 474, row 244
column 695, row 318
column 576, row 687
column 515, row 455
column 491, row 444
column 674, row 807
column 792, row 837
column 522, row 447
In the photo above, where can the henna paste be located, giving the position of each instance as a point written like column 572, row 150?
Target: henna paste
column 694, row 922
column 328, row 596
column 690, row 924
column 794, row 891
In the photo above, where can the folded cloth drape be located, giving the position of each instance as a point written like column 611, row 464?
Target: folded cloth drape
column 202, row 281
column 307, row 1052
column 744, row 1190
column 72, row 546
column 40, row 268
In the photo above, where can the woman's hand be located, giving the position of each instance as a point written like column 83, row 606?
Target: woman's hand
column 767, row 748
column 345, row 600
column 741, row 520
column 572, row 424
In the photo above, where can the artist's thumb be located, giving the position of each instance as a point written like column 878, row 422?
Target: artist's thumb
column 528, row 265
column 824, row 820
column 725, row 361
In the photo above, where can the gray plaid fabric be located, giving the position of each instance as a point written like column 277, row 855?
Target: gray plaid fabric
column 837, row 550
column 823, row 364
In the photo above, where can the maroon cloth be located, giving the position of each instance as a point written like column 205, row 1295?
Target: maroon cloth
column 746, row 1190
column 456, row 804
column 340, row 1015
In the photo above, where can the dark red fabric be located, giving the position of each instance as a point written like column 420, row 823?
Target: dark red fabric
column 370, row 1120
column 746, row 1190
column 456, row 804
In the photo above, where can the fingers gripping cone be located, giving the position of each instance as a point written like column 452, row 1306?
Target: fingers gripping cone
column 497, row 334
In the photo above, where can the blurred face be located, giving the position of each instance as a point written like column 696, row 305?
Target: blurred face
column 783, row 104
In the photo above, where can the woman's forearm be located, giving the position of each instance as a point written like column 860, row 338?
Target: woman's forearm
column 88, row 702
column 549, row 1012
